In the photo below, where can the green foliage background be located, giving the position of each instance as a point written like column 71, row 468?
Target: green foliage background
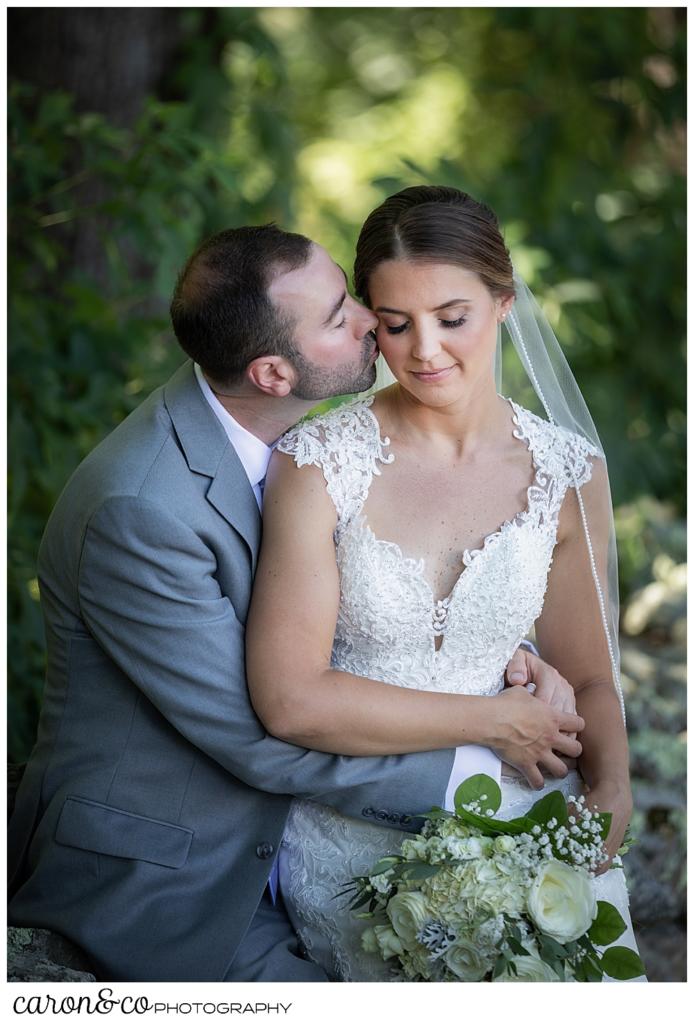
column 568, row 121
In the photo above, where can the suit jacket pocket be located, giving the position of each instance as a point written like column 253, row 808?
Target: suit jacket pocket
column 99, row 828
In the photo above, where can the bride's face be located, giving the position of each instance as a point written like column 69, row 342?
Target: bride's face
column 437, row 328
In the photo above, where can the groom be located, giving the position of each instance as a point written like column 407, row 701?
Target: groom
column 153, row 805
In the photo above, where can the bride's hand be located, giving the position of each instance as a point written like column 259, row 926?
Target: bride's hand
column 550, row 687
column 618, row 801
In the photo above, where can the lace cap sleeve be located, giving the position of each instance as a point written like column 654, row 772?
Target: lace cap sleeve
column 564, row 455
column 346, row 444
column 579, row 457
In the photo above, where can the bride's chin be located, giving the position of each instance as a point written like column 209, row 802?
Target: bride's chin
column 432, row 396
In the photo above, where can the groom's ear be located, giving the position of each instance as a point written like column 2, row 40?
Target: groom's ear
column 273, row 375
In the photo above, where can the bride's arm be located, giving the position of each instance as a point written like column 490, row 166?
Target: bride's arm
column 290, row 632
column 570, row 635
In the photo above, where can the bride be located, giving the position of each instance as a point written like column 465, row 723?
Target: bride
column 383, row 554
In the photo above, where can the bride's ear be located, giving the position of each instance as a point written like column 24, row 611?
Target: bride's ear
column 272, row 375
column 504, row 307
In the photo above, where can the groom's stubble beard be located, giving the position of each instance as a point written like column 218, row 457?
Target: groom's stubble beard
column 315, row 383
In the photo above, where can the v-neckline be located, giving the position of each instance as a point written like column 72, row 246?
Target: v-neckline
column 440, row 606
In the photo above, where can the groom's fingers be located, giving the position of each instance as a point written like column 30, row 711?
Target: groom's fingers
column 564, row 744
column 517, row 670
column 555, row 766
column 568, row 722
column 533, row 775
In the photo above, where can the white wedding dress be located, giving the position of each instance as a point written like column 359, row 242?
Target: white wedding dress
column 387, row 629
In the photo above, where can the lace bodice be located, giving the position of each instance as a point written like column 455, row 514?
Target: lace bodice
column 387, row 628
column 389, row 620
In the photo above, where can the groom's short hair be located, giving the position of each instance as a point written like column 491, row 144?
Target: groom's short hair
column 221, row 312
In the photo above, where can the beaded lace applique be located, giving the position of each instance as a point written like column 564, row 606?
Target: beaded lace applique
column 388, row 620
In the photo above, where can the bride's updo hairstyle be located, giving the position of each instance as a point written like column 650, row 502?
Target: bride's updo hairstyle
column 434, row 224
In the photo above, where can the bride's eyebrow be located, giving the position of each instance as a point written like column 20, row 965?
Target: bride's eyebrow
column 444, row 305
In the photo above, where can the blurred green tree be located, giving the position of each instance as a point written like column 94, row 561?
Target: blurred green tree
column 569, row 122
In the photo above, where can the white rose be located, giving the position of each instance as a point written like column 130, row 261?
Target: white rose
column 561, row 901
column 530, row 968
column 388, row 942
column 466, row 961
column 407, row 912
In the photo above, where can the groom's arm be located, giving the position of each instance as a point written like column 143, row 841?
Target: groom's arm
column 149, row 596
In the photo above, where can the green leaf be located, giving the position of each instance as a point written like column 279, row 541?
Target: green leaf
column 553, row 805
column 437, row 814
column 588, row 970
column 621, row 963
column 385, row 864
column 559, row 969
column 481, row 789
column 418, row 871
column 499, row 966
column 605, row 819
column 517, row 947
column 494, row 826
column 607, row 926
column 551, row 946
column 360, row 900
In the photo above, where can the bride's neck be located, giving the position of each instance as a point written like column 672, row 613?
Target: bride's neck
column 473, row 420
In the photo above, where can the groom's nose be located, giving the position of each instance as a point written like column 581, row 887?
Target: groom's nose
column 363, row 320
column 368, row 321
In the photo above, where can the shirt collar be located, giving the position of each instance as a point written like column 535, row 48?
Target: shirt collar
column 253, row 453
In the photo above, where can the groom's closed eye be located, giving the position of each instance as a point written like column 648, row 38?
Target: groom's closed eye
column 335, row 310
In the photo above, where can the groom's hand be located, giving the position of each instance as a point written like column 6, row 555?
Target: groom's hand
column 530, row 733
column 526, row 669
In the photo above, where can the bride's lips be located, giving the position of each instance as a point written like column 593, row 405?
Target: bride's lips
column 434, row 376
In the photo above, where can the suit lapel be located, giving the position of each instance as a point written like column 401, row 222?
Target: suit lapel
column 209, row 452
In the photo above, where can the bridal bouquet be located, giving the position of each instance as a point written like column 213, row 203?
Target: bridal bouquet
column 474, row 898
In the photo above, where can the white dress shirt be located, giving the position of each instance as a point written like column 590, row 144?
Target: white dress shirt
column 253, row 453
column 254, row 456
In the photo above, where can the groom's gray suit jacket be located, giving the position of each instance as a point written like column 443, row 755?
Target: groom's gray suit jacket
column 154, row 801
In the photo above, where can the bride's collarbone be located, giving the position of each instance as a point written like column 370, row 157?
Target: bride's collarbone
column 445, row 515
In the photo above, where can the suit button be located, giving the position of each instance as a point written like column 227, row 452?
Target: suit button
column 381, row 815
column 395, row 818
column 368, row 812
column 264, row 850
column 406, row 819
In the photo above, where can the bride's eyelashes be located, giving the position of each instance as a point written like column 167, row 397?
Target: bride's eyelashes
column 450, row 324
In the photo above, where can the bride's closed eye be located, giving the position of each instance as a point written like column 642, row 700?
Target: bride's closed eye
column 399, row 328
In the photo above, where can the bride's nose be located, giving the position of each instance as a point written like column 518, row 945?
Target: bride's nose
column 425, row 343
